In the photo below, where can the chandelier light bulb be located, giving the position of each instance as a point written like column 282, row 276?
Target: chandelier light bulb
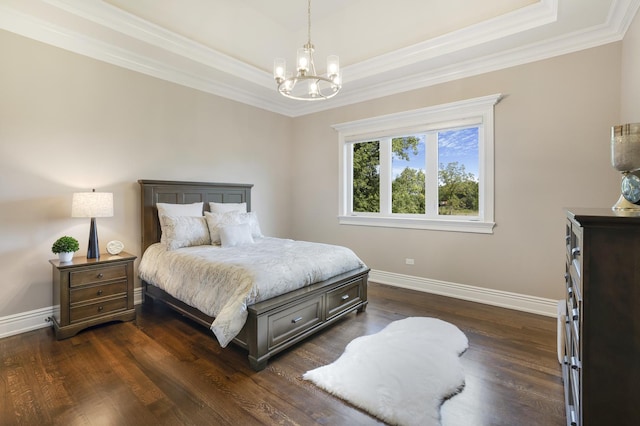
column 313, row 88
column 333, row 65
column 279, row 69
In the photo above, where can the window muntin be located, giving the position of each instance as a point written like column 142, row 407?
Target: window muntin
column 454, row 151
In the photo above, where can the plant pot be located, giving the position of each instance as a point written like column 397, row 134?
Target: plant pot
column 65, row 256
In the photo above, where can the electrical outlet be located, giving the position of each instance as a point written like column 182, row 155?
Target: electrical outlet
column 409, row 261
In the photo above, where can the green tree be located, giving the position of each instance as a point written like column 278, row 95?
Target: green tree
column 457, row 190
column 408, row 192
column 407, row 189
column 366, row 177
column 401, row 146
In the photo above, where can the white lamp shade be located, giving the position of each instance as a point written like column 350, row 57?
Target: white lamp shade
column 92, row 204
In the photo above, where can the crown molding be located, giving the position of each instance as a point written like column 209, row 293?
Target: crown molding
column 124, row 40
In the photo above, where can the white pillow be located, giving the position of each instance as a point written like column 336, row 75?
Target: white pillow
column 167, row 209
column 215, row 221
column 227, row 207
column 235, row 235
column 185, row 231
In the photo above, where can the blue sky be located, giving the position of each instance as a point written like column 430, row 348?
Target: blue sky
column 459, row 145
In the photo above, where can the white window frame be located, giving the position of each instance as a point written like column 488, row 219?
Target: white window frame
column 477, row 111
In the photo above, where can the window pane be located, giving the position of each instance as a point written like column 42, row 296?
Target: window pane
column 366, row 177
column 408, row 168
column 458, row 174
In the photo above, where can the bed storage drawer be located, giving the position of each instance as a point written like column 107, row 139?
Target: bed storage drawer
column 344, row 297
column 291, row 321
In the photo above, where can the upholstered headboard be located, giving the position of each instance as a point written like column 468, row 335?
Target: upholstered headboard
column 164, row 191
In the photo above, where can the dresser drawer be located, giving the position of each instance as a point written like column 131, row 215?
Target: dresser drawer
column 83, row 294
column 83, row 312
column 290, row 322
column 97, row 275
column 343, row 298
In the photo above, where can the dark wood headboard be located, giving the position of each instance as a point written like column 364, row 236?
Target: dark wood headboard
column 165, row 191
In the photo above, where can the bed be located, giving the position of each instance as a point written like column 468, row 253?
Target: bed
column 272, row 325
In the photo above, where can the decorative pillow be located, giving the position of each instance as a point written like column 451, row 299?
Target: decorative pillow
column 215, row 221
column 168, row 209
column 185, row 231
column 235, row 235
column 227, row 207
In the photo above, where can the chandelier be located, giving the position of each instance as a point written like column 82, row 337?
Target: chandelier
column 307, row 84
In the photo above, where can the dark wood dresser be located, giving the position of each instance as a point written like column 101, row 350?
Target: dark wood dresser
column 601, row 369
column 89, row 292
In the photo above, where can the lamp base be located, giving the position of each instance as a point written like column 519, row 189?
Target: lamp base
column 93, row 250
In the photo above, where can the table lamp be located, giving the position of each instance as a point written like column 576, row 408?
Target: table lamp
column 92, row 204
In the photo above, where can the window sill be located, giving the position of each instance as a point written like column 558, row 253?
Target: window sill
column 453, row 225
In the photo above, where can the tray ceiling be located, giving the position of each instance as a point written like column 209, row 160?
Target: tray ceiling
column 227, row 47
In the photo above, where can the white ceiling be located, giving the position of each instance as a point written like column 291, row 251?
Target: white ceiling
column 226, row 47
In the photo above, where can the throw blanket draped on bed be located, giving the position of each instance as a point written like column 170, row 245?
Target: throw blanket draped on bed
column 222, row 282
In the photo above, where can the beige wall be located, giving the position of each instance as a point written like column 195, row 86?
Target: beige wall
column 630, row 110
column 551, row 151
column 69, row 123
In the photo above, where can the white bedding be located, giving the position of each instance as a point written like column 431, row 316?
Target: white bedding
column 222, row 282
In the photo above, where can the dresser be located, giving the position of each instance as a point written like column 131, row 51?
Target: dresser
column 88, row 292
column 601, row 368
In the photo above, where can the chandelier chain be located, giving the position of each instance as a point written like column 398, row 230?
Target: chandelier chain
column 309, row 22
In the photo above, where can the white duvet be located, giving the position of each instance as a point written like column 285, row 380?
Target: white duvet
column 222, row 282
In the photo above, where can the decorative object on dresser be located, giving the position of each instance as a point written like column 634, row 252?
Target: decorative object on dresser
column 401, row 374
column 88, row 292
column 65, row 247
column 601, row 365
column 272, row 325
column 625, row 157
column 92, row 204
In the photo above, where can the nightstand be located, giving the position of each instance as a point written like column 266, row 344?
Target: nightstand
column 87, row 292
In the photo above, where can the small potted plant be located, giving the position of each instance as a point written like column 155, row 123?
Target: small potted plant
column 64, row 247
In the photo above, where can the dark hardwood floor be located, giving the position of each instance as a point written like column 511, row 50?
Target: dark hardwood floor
column 165, row 370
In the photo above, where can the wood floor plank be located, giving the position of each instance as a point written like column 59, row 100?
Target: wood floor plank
column 163, row 369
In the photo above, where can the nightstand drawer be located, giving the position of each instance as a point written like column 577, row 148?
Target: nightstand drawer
column 96, row 275
column 93, row 292
column 79, row 313
column 343, row 298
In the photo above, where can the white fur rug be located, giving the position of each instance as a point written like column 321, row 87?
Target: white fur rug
column 401, row 374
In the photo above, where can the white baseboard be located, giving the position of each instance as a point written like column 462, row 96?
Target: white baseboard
column 503, row 299
column 33, row 320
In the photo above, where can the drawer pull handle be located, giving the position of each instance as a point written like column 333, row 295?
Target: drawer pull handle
column 575, row 251
column 99, row 292
column 345, row 297
column 100, row 308
column 575, row 364
column 295, row 320
column 100, row 275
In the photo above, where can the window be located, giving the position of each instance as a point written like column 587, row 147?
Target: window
column 430, row 168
